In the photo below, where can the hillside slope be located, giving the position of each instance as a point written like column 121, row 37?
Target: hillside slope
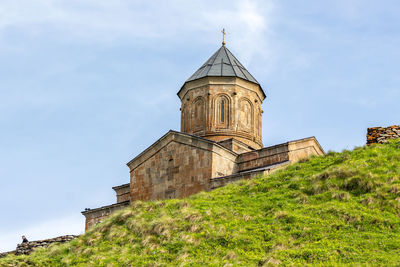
column 338, row 209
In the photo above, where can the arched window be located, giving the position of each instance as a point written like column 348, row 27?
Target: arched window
column 222, row 111
column 222, row 118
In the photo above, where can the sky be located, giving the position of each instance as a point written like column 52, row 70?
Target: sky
column 85, row 86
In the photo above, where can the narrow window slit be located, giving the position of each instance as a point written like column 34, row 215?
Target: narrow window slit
column 222, row 111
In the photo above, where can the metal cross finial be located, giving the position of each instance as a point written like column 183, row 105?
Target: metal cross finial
column 223, row 36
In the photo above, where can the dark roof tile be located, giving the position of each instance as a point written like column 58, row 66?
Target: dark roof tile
column 222, row 63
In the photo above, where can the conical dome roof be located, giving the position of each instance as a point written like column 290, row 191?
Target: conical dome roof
column 222, row 64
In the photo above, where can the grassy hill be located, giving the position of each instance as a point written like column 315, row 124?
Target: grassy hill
column 339, row 209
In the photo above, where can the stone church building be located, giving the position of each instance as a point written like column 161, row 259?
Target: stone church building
column 220, row 140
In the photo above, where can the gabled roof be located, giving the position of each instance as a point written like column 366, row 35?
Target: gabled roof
column 179, row 137
column 223, row 63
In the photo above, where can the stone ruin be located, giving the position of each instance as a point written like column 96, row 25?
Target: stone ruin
column 28, row 247
column 380, row 135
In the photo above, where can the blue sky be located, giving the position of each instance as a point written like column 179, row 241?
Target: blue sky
column 87, row 85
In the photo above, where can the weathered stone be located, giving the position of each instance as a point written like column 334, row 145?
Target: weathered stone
column 382, row 135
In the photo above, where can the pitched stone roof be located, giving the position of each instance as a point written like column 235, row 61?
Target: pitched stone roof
column 223, row 63
column 183, row 139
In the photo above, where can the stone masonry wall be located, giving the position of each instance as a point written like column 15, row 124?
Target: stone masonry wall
column 263, row 157
column 123, row 192
column 95, row 216
column 381, row 135
column 175, row 171
column 178, row 165
column 292, row 151
column 27, row 248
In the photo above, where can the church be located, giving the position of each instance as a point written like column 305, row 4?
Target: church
column 220, row 140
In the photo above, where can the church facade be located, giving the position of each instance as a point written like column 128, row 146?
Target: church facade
column 220, row 140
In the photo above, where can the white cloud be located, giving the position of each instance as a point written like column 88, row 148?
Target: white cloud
column 73, row 224
column 248, row 26
column 107, row 21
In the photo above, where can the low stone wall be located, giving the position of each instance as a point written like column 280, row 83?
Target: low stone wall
column 27, row 248
column 3, row 254
column 246, row 175
column 380, row 135
column 95, row 216
column 292, row 151
column 263, row 157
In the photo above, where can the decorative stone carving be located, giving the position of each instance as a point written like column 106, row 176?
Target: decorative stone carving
column 224, row 116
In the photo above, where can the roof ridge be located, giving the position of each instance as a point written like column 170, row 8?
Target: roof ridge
column 244, row 74
column 240, row 66
column 226, row 52
column 216, row 55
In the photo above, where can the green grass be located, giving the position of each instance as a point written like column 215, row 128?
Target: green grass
column 339, row 209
